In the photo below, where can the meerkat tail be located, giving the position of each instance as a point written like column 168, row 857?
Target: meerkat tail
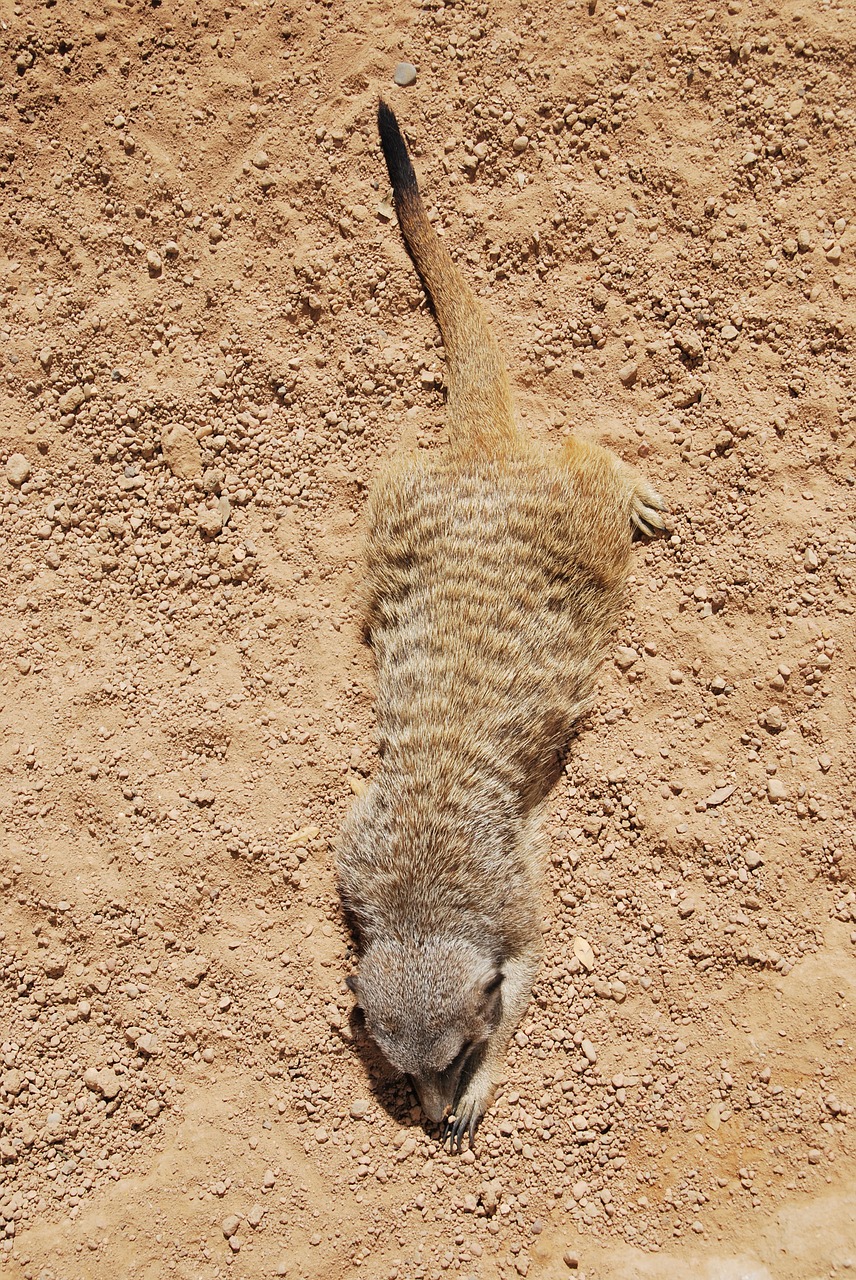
column 479, row 409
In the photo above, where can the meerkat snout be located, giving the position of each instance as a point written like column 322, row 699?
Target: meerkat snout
column 428, row 1005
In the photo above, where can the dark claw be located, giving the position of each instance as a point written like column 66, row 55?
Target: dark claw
column 456, row 1130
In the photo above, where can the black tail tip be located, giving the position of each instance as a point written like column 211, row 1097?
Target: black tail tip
column 395, row 152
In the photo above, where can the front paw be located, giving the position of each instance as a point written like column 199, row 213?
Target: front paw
column 468, row 1111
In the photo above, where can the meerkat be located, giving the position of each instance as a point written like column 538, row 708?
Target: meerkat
column 495, row 576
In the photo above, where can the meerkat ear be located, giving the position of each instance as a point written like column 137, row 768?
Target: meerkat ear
column 352, row 982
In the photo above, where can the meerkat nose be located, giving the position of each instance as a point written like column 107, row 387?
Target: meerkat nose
column 432, row 1098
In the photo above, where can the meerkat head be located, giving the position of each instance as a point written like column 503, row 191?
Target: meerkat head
column 428, row 1005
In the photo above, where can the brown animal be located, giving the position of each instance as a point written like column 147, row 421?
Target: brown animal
column 495, row 576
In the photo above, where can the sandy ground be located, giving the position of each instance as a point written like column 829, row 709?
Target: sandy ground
column 210, row 335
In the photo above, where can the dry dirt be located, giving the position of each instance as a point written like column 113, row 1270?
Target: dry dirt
column 210, row 335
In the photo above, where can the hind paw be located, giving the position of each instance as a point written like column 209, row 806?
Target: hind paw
column 646, row 511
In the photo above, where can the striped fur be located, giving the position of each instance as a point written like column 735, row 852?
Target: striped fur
column 495, row 575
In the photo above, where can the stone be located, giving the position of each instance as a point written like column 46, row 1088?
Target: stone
column 690, row 343
column 195, row 969
column 230, row 1225
column 358, row 1109
column 71, row 401
column 404, row 74
column 209, row 521
column 146, row 1044
column 627, row 373
column 255, row 1215
column 582, row 950
column 54, row 966
column 18, row 469
column 181, row 452
column 13, row 1082
column 719, row 796
column 109, row 1084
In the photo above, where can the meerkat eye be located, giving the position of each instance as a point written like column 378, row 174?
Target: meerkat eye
column 461, row 1056
column 494, row 984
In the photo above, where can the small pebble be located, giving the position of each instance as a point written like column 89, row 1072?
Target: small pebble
column 404, row 74
column 90, row 1079
column 209, row 521
column 776, row 789
column 18, row 469
column 625, row 657
column 773, row 720
column 181, row 451
column 109, row 1084
column 72, row 399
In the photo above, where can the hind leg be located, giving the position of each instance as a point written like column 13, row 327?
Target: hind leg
column 647, row 508
column 602, row 475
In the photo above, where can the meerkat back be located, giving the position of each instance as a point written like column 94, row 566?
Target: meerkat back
column 495, row 575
